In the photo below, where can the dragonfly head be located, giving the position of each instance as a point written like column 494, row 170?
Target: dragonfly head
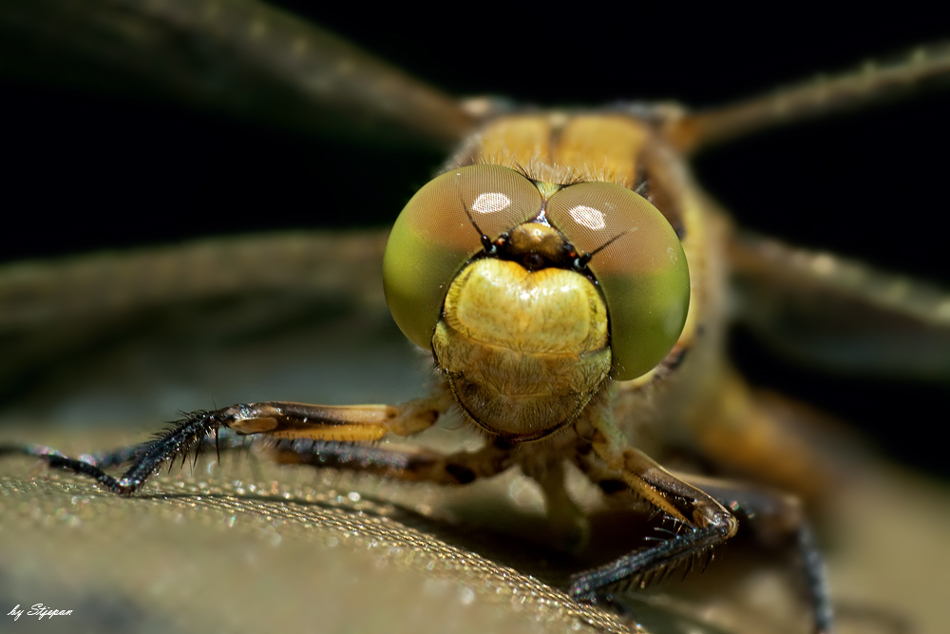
column 531, row 295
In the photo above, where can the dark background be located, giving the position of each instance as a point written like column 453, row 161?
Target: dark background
column 84, row 172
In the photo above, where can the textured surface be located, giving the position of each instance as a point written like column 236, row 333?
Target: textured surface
column 216, row 554
column 247, row 546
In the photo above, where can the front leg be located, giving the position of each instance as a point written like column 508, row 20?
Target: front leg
column 659, row 487
column 704, row 516
column 275, row 420
column 708, row 522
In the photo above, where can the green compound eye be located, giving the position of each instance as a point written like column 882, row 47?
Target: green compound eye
column 642, row 269
column 434, row 237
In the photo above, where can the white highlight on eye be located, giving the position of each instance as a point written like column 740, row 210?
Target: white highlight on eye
column 588, row 217
column 490, row 202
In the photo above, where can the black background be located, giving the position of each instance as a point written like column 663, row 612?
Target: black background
column 83, row 172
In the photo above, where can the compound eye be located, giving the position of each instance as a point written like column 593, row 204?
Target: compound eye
column 638, row 262
column 440, row 229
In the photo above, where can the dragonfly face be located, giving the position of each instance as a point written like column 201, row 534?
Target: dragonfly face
column 514, row 284
column 798, row 194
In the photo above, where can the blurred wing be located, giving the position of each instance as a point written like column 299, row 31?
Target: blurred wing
column 242, row 58
column 133, row 336
column 872, row 83
column 841, row 314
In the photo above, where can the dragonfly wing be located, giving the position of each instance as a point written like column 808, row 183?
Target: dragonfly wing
column 841, row 314
column 221, row 320
column 242, row 58
column 871, row 83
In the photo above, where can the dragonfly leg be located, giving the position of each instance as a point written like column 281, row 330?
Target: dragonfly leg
column 273, row 420
column 415, row 464
column 655, row 485
column 223, row 440
column 775, row 517
column 702, row 522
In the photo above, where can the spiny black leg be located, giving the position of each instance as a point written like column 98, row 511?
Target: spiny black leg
column 26, row 449
column 287, row 422
column 815, row 579
column 774, row 518
column 621, row 573
column 184, row 436
column 223, row 439
column 701, row 521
